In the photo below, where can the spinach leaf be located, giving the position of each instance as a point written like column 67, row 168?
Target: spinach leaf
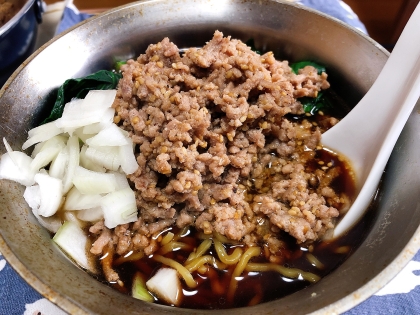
column 314, row 104
column 250, row 42
column 79, row 88
column 302, row 64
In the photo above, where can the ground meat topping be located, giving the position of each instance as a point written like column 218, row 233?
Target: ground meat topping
column 216, row 148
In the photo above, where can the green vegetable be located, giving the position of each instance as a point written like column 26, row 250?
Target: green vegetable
column 302, row 64
column 78, row 88
column 314, row 104
column 139, row 290
column 250, row 42
column 118, row 65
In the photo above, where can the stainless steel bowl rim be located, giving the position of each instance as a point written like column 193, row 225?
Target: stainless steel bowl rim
column 351, row 300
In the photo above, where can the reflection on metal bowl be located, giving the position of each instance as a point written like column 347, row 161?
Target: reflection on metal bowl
column 292, row 32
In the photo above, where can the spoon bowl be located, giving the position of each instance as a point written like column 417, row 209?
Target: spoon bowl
column 367, row 135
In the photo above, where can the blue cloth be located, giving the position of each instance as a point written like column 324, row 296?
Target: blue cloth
column 71, row 16
column 337, row 9
column 401, row 296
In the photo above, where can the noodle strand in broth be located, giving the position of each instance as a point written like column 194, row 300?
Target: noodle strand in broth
column 240, row 267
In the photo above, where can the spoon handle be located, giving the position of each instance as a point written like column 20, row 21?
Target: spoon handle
column 367, row 135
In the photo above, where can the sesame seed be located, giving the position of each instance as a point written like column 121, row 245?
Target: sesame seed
column 135, row 120
column 155, row 58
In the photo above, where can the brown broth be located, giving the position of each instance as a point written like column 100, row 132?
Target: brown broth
column 254, row 287
column 259, row 287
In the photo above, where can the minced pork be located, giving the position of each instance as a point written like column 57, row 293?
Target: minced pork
column 215, row 149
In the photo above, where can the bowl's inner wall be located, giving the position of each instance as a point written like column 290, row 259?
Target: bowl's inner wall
column 353, row 62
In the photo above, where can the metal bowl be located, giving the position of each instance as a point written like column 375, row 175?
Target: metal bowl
column 291, row 31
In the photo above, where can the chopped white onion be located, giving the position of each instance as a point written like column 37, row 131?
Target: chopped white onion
column 82, row 112
column 122, row 181
column 110, row 136
column 87, row 163
column 106, row 120
column 90, row 215
column 33, row 198
column 36, row 149
column 81, row 135
column 100, row 99
column 128, row 159
column 108, row 157
column 71, row 217
column 75, row 200
column 16, row 166
column 73, row 240
column 90, row 182
column 166, row 285
column 73, row 148
column 59, row 164
column 51, row 194
column 119, row 207
column 7, row 145
column 48, row 152
column 80, row 176
column 41, row 133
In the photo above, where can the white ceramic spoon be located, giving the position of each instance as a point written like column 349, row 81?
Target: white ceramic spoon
column 367, row 135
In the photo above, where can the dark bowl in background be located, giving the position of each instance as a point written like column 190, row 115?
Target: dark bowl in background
column 18, row 37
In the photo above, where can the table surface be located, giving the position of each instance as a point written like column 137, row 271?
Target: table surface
column 400, row 296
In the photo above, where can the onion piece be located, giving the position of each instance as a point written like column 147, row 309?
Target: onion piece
column 32, row 196
column 75, row 200
column 166, row 285
column 87, row 163
column 90, row 215
column 41, row 133
column 59, row 164
column 108, row 157
column 122, row 181
column 36, row 149
column 33, row 199
column 48, row 152
column 119, row 207
column 73, row 240
column 71, row 117
column 82, row 112
column 74, row 156
column 106, row 120
column 16, row 166
column 110, row 136
column 7, row 145
column 81, row 135
column 128, row 159
column 90, row 182
column 101, row 99
column 51, row 194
